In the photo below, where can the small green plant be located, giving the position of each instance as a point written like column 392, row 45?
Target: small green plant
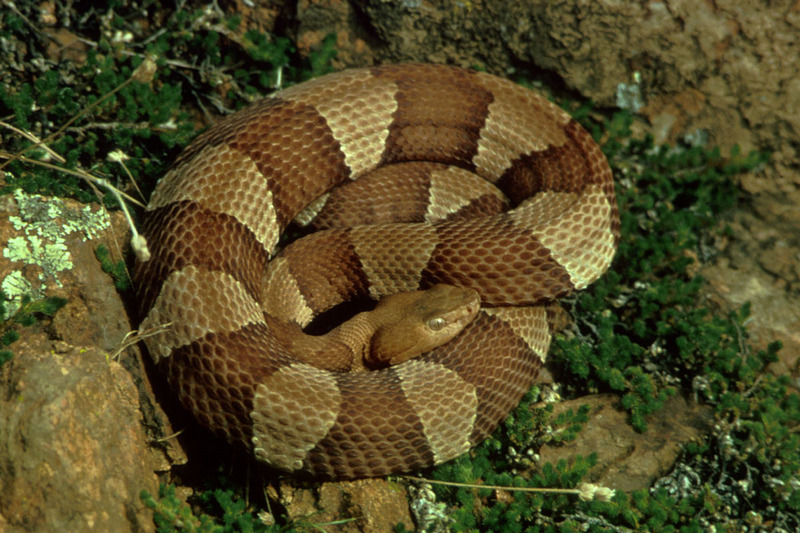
column 116, row 270
column 222, row 512
column 506, row 459
column 27, row 312
column 319, row 60
column 171, row 515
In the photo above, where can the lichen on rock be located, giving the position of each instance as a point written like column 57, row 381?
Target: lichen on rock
column 37, row 237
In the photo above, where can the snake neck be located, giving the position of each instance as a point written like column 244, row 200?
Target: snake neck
column 402, row 326
column 345, row 348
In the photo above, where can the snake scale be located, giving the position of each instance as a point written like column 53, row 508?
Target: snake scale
column 470, row 180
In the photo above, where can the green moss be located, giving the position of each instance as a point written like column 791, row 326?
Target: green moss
column 26, row 311
column 319, row 59
column 170, row 514
column 116, row 270
column 221, row 510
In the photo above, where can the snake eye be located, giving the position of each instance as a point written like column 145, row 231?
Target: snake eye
column 435, row 324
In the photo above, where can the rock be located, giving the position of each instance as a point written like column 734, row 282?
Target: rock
column 319, row 18
column 627, row 460
column 49, row 250
column 73, row 454
column 363, row 505
column 774, row 313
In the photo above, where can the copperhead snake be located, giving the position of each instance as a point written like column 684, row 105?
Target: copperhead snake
column 235, row 297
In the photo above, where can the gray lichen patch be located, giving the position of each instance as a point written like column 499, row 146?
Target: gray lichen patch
column 40, row 232
column 51, row 218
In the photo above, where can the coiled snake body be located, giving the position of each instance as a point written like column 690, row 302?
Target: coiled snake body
column 235, row 304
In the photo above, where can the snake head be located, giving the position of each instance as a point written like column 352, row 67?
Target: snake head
column 416, row 322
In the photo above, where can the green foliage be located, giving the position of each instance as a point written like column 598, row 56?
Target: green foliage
column 117, row 270
column 221, row 511
column 109, row 102
column 271, row 51
column 652, row 511
column 645, row 307
column 476, row 509
column 505, row 459
column 26, row 313
column 319, row 60
column 171, row 515
column 233, row 512
column 134, row 120
column 568, row 424
column 757, row 443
